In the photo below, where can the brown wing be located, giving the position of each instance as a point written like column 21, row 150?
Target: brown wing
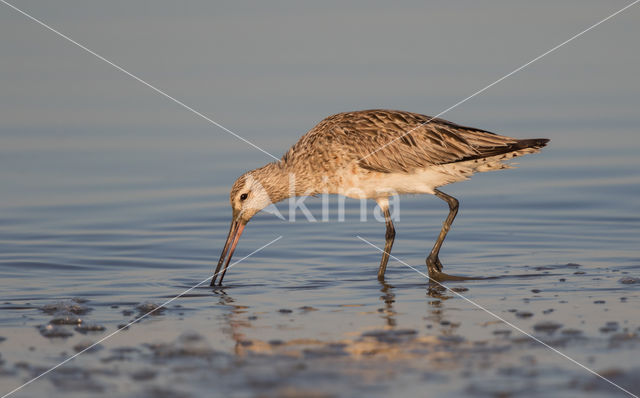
column 395, row 141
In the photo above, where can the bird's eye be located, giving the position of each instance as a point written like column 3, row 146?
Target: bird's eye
column 243, row 196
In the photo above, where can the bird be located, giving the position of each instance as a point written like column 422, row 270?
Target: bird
column 374, row 154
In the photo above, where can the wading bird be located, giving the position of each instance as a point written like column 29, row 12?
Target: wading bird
column 374, row 154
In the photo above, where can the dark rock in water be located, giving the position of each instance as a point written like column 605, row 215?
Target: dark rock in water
column 149, row 308
column 76, row 380
column 609, row 327
column 460, row 289
column 144, row 374
column 52, row 331
column 599, row 302
column 452, row 339
column 86, row 328
column 524, row 314
column 69, row 319
column 628, row 280
column 391, row 336
column 572, row 332
column 80, row 300
column 547, row 327
column 331, row 350
column 535, row 290
column 189, row 344
column 65, row 307
column 622, row 337
column 573, row 265
column 285, row 311
column 84, row 345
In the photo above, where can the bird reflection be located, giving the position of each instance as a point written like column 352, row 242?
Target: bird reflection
column 235, row 319
column 437, row 291
column 388, row 297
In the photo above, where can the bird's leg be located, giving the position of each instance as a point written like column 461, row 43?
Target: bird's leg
column 433, row 262
column 389, row 237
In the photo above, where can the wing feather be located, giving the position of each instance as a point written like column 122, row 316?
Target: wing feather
column 396, row 141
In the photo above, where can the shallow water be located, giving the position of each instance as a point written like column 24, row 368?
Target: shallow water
column 99, row 225
column 306, row 315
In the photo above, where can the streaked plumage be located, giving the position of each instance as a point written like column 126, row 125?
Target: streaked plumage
column 374, row 154
column 359, row 136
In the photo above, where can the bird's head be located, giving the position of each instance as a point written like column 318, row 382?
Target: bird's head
column 248, row 196
column 252, row 192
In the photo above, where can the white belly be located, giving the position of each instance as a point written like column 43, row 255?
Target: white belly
column 357, row 184
column 376, row 185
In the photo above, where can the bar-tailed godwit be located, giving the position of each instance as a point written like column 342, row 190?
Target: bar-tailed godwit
column 374, row 154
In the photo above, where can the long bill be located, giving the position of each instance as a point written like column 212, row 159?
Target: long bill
column 235, row 230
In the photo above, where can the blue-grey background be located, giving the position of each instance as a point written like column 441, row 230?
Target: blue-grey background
column 112, row 193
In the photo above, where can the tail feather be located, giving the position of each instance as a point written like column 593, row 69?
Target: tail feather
column 532, row 143
column 498, row 161
column 516, row 145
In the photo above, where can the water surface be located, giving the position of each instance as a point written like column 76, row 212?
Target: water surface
column 115, row 200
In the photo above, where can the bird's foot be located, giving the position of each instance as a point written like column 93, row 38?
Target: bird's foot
column 434, row 266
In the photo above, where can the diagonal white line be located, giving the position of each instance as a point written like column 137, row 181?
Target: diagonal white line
column 121, row 69
column 500, row 318
column 502, row 78
column 135, row 320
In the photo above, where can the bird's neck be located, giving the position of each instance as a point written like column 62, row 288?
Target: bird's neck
column 281, row 182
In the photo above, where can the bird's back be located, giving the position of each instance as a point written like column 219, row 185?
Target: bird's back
column 388, row 141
